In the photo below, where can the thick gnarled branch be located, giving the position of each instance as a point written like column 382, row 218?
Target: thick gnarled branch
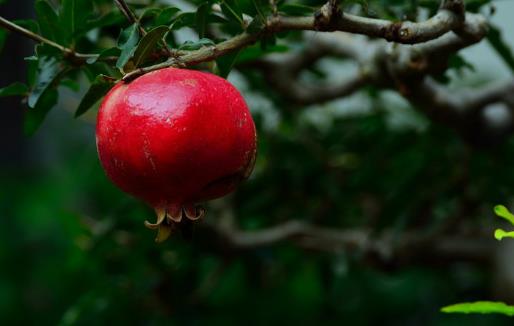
column 330, row 19
column 403, row 68
column 385, row 248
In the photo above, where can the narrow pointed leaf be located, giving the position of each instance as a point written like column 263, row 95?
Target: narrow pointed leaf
column 201, row 18
column 73, row 17
column 112, row 52
column 48, row 70
column 100, row 86
column 164, row 18
column 232, row 11
column 148, row 44
column 127, row 47
column 48, row 21
column 16, row 89
column 35, row 116
column 226, row 62
column 500, row 46
column 185, row 19
column 480, row 307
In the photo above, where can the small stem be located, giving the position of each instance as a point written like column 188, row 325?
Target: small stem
column 131, row 17
column 38, row 38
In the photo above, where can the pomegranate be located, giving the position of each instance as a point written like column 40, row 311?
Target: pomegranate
column 174, row 138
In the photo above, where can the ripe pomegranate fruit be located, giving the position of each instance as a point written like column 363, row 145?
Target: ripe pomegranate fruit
column 173, row 138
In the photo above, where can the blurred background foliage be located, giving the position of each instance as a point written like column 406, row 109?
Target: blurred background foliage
column 73, row 249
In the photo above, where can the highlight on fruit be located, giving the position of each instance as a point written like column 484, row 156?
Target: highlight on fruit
column 175, row 138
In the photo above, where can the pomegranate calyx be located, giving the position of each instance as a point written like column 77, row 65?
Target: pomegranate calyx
column 168, row 218
column 161, row 214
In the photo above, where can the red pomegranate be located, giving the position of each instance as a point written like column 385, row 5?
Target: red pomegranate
column 173, row 138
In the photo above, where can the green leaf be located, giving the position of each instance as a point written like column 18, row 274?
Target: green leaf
column 202, row 14
column 48, row 21
column 128, row 47
column 185, row 19
column 29, row 24
column 232, row 11
column 100, row 86
column 480, row 307
column 150, row 13
column 503, row 212
column 500, row 46
column 499, row 234
column 48, row 70
column 112, row 52
column 16, row 89
column 73, row 17
column 34, row 117
column 148, row 43
column 226, row 62
column 164, row 18
column 190, row 45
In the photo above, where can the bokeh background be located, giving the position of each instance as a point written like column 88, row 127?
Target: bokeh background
column 73, row 249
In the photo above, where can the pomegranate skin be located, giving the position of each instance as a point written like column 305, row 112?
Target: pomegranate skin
column 175, row 137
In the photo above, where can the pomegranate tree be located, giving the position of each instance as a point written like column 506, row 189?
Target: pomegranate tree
column 174, row 138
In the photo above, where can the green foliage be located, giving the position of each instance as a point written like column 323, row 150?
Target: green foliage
column 480, row 307
column 34, row 116
column 48, row 21
column 148, row 44
column 73, row 17
column 488, row 307
column 49, row 69
column 16, row 89
column 127, row 44
column 100, row 86
column 504, row 213
column 201, row 20
column 232, row 11
column 68, row 22
column 226, row 63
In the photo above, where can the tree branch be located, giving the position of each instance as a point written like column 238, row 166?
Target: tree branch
column 40, row 39
column 402, row 67
column 76, row 57
column 387, row 247
column 329, row 18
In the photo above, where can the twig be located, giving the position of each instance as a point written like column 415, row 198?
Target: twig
column 40, row 39
column 131, row 17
